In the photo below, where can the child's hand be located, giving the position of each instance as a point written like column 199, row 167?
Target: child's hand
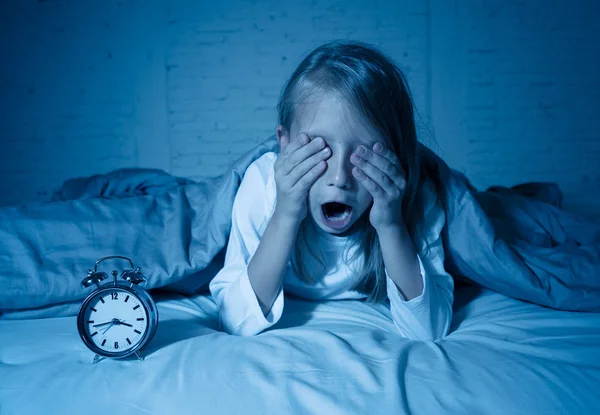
column 380, row 171
column 299, row 165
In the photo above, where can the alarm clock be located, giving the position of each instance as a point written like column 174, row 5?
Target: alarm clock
column 119, row 317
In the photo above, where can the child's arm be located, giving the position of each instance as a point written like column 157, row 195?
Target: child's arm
column 420, row 295
column 248, row 290
column 300, row 164
column 266, row 269
column 422, row 310
column 401, row 261
column 239, row 310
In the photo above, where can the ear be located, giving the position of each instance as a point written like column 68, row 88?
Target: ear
column 283, row 137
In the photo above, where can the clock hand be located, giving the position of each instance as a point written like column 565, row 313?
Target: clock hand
column 124, row 324
column 102, row 324
column 112, row 323
column 106, row 329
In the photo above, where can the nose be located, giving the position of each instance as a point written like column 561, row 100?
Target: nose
column 339, row 172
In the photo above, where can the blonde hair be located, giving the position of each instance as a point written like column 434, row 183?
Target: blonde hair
column 374, row 86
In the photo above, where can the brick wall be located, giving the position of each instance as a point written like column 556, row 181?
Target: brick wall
column 508, row 88
column 82, row 93
column 227, row 63
column 531, row 95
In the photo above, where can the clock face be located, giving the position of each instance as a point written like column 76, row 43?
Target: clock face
column 115, row 321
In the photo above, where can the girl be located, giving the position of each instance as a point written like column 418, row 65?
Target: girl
column 341, row 211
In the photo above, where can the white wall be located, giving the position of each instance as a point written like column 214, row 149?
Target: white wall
column 509, row 88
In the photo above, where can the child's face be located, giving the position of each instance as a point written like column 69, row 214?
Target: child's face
column 343, row 130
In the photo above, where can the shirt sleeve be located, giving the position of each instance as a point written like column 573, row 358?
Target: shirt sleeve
column 428, row 316
column 239, row 310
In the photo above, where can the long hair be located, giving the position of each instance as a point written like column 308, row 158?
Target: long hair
column 369, row 82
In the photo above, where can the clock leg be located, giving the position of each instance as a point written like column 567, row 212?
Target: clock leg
column 139, row 356
column 97, row 358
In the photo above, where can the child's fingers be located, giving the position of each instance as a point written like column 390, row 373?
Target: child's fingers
column 305, row 166
column 382, row 163
column 300, row 150
column 310, row 177
column 381, row 160
column 389, row 155
column 293, row 145
column 377, row 176
column 306, row 150
column 288, row 147
column 372, row 187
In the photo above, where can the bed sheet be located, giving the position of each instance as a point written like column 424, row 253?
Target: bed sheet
column 503, row 356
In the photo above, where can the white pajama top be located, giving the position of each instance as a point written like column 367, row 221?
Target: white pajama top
column 426, row 317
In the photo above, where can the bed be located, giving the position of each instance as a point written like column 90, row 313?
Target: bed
column 503, row 356
column 525, row 337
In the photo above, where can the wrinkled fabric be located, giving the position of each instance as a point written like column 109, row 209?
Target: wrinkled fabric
column 508, row 240
column 169, row 227
column 119, row 183
column 515, row 243
column 503, row 357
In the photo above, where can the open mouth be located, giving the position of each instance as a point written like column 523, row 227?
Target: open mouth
column 336, row 215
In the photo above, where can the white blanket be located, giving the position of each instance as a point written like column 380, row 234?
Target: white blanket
column 503, row 356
